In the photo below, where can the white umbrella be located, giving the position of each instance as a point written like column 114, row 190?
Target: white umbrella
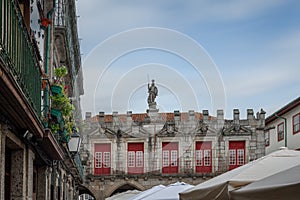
column 124, row 195
column 283, row 185
column 222, row 186
column 148, row 192
column 170, row 192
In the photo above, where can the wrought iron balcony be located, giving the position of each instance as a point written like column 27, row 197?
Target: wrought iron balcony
column 19, row 54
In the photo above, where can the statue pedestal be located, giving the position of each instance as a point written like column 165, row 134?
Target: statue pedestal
column 152, row 106
column 152, row 111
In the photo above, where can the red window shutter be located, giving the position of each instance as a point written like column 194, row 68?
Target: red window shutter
column 135, row 158
column 102, row 159
column 236, row 154
column 170, row 157
column 203, row 157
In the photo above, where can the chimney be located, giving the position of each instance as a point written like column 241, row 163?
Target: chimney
column 129, row 116
column 191, row 115
column 250, row 115
column 115, row 118
column 236, row 114
column 88, row 115
column 205, row 115
column 220, row 118
column 176, row 116
column 262, row 116
column 101, row 117
column 220, row 115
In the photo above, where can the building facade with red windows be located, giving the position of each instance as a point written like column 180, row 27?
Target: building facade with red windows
column 283, row 127
column 150, row 147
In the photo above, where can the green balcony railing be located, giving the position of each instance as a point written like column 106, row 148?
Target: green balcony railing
column 18, row 53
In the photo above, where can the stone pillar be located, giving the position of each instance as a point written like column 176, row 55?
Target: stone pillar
column 29, row 169
column 2, row 161
column 18, row 175
column 120, row 162
column 262, row 116
column 42, row 184
column 236, row 116
column 191, row 115
column 129, row 118
column 49, row 181
column 88, row 115
column 101, row 117
column 250, row 115
column 176, row 117
column 236, row 120
column 153, row 114
column 115, row 119
column 70, row 188
column 205, row 116
column 220, row 119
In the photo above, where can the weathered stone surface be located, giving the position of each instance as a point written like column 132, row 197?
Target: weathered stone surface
column 184, row 128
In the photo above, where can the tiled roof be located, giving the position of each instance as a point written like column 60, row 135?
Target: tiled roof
column 140, row 117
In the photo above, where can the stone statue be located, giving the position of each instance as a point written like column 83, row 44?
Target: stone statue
column 152, row 90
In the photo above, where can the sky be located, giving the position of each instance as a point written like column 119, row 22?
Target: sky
column 202, row 54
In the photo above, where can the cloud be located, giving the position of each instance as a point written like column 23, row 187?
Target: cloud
column 269, row 59
column 260, row 80
column 287, row 43
column 101, row 19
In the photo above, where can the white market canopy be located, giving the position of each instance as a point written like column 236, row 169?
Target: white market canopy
column 278, row 171
column 124, row 195
column 148, row 192
column 169, row 192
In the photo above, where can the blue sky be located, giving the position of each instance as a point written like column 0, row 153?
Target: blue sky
column 250, row 49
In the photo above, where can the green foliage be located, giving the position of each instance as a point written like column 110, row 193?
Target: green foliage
column 62, row 102
column 60, row 73
column 55, row 128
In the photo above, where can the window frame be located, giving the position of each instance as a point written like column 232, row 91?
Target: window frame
column 281, row 132
column 199, row 157
column 106, row 159
column 240, row 156
column 232, row 157
column 207, row 157
column 98, row 159
column 298, row 124
column 267, row 138
column 174, row 158
column 131, row 159
column 139, row 159
column 165, row 158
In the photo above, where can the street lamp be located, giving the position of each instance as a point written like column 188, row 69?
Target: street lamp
column 74, row 143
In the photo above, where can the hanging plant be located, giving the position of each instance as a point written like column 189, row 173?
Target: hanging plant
column 60, row 73
column 61, row 106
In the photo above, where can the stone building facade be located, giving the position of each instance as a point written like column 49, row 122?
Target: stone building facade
column 137, row 151
column 34, row 163
column 283, row 127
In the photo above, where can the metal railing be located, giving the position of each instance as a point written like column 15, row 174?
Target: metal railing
column 18, row 52
column 65, row 17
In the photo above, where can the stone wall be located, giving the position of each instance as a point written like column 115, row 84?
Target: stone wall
column 25, row 173
column 152, row 129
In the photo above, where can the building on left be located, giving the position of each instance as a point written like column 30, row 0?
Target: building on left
column 40, row 89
